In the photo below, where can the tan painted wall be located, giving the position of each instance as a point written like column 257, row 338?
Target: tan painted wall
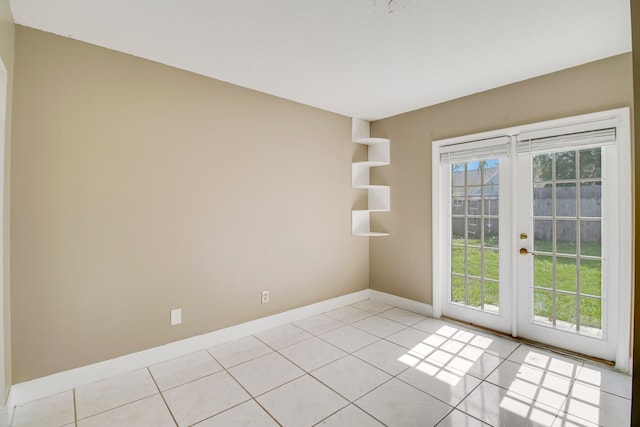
column 138, row 188
column 7, row 37
column 401, row 263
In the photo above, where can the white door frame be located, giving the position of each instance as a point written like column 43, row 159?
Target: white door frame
column 623, row 301
column 503, row 320
column 4, row 88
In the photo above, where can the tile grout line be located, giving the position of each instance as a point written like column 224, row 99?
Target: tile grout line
column 162, row 396
column 289, row 345
column 369, row 392
column 335, row 412
column 225, row 370
column 266, row 410
column 444, row 416
column 116, row 407
column 75, row 408
column 319, row 367
column 251, row 396
column 271, row 350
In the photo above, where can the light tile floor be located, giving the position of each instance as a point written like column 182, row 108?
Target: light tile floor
column 368, row 364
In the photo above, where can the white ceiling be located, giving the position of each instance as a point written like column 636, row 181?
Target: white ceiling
column 362, row 58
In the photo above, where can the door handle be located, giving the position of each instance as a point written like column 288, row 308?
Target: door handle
column 524, row 251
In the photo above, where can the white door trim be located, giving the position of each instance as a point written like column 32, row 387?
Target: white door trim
column 3, row 115
column 619, row 118
column 436, row 201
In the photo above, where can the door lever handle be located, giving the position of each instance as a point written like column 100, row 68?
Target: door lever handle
column 524, row 251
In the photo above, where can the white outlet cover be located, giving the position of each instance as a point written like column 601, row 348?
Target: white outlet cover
column 176, row 316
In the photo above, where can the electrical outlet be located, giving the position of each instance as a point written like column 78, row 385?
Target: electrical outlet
column 265, row 297
column 176, row 316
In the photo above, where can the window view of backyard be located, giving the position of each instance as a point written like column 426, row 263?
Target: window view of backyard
column 567, row 214
column 475, row 234
column 567, row 241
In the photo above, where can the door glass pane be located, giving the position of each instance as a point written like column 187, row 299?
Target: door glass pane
column 474, row 228
column 457, row 288
column 567, row 266
column 566, row 274
column 565, row 165
column 458, row 260
column 491, row 270
column 457, row 201
column 491, row 297
column 566, row 237
column 543, row 271
column 591, row 163
column 591, row 277
column 474, row 292
column 474, row 200
column 543, row 306
column 474, row 171
column 543, row 235
column 491, row 232
column 542, row 167
column 457, row 230
column 542, row 197
column 475, row 234
column 590, row 197
column 491, row 172
column 591, row 238
column 591, row 315
column 491, row 205
column 474, row 262
column 566, row 199
column 566, row 311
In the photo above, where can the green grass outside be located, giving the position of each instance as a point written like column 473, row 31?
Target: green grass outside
column 566, row 271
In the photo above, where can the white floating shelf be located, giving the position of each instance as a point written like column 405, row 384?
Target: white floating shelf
column 360, row 220
column 368, row 187
column 378, row 154
column 371, row 141
column 370, row 163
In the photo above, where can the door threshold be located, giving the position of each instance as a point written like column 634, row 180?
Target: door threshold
column 550, row 348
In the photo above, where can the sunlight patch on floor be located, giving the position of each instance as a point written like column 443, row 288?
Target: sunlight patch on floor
column 448, row 354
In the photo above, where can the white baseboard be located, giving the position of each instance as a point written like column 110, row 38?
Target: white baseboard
column 57, row 383
column 5, row 420
column 407, row 304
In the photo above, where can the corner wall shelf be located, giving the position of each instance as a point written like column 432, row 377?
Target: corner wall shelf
column 378, row 154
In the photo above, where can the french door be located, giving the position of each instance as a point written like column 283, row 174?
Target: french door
column 478, row 248
column 531, row 232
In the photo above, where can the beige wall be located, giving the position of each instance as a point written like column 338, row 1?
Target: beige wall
column 138, row 188
column 7, row 35
column 401, row 263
